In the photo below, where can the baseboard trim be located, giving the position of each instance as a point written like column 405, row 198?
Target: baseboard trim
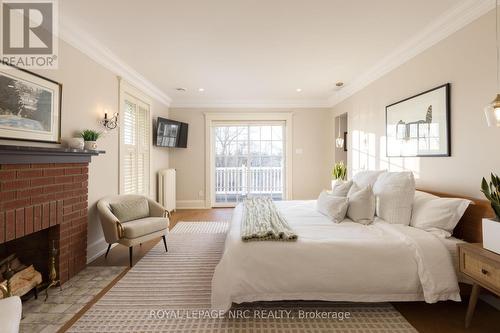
column 96, row 249
column 190, row 204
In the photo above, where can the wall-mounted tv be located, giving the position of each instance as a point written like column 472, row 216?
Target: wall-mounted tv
column 171, row 133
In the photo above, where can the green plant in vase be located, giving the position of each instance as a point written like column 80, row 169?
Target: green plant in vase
column 491, row 191
column 339, row 171
column 90, row 137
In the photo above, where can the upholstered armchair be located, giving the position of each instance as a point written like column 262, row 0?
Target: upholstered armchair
column 132, row 219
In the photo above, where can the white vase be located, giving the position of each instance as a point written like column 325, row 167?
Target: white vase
column 75, row 143
column 91, row 145
column 491, row 235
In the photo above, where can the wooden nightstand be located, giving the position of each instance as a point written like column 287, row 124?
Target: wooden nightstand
column 483, row 268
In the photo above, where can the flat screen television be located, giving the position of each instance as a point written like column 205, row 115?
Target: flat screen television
column 171, row 133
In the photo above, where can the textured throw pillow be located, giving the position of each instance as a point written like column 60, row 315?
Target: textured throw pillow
column 361, row 204
column 394, row 192
column 437, row 215
column 365, row 178
column 332, row 206
column 130, row 209
column 341, row 188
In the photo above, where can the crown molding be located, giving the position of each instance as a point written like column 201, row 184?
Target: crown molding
column 450, row 22
column 88, row 45
column 249, row 104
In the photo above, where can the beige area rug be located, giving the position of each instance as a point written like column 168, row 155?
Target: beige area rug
column 171, row 293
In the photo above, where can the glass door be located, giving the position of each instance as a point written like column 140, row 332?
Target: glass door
column 249, row 160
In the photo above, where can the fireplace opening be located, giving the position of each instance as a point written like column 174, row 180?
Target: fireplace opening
column 24, row 252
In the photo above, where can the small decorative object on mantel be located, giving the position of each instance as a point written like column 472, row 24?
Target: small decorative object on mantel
column 30, row 106
column 339, row 172
column 75, row 143
column 109, row 123
column 90, row 137
column 491, row 227
column 492, row 111
column 419, row 126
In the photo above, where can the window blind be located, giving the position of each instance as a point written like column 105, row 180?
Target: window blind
column 135, row 146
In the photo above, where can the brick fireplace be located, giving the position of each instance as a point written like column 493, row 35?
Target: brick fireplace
column 43, row 198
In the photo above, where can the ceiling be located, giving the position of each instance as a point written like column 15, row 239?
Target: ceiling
column 244, row 52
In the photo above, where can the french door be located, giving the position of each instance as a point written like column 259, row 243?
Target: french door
column 249, row 160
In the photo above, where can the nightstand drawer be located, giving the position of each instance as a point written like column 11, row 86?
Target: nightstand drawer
column 481, row 270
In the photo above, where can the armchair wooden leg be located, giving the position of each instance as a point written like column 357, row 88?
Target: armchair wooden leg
column 165, row 243
column 130, row 252
column 107, row 251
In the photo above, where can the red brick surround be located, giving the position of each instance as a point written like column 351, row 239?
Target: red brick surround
column 35, row 197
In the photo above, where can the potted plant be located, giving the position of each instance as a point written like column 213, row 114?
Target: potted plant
column 491, row 226
column 339, row 172
column 90, row 137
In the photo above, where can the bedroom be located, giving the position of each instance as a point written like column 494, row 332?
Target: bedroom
column 201, row 105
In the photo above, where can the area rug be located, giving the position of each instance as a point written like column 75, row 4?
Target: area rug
column 171, row 293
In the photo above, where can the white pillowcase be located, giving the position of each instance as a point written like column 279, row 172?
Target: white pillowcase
column 365, row 178
column 332, row 206
column 361, row 204
column 437, row 215
column 341, row 188
column 395, row 192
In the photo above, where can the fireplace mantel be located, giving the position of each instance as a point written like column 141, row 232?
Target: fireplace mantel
column 10, row 154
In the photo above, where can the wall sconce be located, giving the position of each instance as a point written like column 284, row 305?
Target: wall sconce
column 109, row 123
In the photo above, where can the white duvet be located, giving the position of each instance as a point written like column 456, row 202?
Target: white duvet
column 333, row 262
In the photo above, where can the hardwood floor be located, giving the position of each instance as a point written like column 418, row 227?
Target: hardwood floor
column 441, row 317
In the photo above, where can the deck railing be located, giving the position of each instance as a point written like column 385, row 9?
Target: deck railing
column 244, row 180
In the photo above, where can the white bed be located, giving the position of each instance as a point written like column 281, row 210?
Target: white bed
column 334, row 262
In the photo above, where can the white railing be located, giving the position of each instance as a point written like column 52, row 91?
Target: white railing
column 243, row 180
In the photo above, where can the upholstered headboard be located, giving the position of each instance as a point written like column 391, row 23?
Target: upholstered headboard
column 470, row 226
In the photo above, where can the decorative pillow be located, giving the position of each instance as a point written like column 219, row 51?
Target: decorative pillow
column 365, row 178
column 341, row 188
column 437, row 215
column 131, row 209
column 332, row 206
column 361, row 204
column 394, row 192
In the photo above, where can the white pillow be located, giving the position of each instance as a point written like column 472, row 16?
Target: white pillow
column 395, row 192
column 365, row 178
column 361, row 204
column 437, row 215
column 341, row 188
column 332, row 206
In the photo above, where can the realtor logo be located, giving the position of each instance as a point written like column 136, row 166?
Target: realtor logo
column 29, row 37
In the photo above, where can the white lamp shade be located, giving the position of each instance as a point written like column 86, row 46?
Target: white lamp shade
column 492, row 115
column 339, row 142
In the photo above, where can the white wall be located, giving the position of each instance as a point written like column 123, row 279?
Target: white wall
column 312, row 133
column 88, row 89
column 466, row 59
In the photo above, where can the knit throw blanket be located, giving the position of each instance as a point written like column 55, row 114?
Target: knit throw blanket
column 262, row 221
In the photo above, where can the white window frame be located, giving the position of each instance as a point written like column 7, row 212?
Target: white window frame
column 212, row 119
column 128, row 90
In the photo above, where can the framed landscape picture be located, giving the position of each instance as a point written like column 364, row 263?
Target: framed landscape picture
column 30, row 106
column 420, row 125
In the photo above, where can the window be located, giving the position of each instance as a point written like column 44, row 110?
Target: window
column 247, row 154
column 135, row 142
column 249, row 160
